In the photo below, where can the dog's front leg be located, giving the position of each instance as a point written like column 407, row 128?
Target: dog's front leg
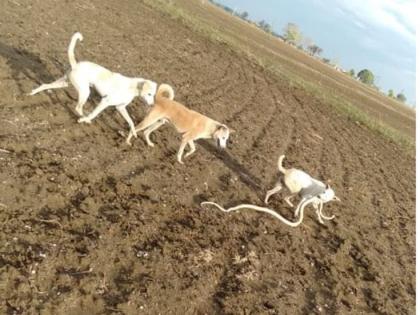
column 192, row 148
column 318, row 206
column 128, row 140
column 123, row 111
column 101, row 106
column 181, row 151
column 297, row 209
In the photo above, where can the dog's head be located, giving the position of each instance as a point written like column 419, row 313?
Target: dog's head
column 221, row 135
column 147, row 91
column 328, row 195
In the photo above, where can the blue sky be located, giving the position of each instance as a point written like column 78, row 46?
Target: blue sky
column 375, row 34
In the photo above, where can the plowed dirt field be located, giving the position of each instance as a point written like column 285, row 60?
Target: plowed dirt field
column 92, row 226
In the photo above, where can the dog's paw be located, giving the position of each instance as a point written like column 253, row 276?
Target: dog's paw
column 84, row 120
column 79, row 112
column 122, row 133
column 151, row 144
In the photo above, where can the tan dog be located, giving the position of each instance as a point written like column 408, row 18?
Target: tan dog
column 191, row 124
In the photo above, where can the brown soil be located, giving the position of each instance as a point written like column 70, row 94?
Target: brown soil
column 91, row 226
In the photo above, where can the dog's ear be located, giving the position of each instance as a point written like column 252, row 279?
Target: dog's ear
column 222, row 126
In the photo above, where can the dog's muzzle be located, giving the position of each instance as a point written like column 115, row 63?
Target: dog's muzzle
column 152, row 103
column 220, row 144
column 148, row 101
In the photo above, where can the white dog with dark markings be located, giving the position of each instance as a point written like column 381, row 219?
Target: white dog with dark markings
column 299, row 183
column 310, row 190
column 115, row 89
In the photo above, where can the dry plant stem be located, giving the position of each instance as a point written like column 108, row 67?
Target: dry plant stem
column 300, row 209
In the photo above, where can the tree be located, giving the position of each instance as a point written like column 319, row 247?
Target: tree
column 306, row 42
column 366, row 76
column 352, row 73
column 391, row 93
column 227, row 9
column 265, row 26
column 314, row 50
column 244, row 15
column 292, row 33
column 276, row 35
column 401, row 97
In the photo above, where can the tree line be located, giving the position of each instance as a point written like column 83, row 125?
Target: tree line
column 293, row 36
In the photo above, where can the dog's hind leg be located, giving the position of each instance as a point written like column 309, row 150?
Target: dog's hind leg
column 152, row 128
column 273, row 191
column 287, row 199
column 83, row 91
column 83, row 97
column 148, row 121
column 58, row 84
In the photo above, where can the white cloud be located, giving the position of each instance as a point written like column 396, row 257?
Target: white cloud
column 396, row 15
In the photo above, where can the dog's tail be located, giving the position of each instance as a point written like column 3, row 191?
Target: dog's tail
column 165, row 89
column 280, row 164
column 70, row 51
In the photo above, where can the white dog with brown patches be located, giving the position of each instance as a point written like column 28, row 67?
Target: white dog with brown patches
column 115, row 89
column 191, row 124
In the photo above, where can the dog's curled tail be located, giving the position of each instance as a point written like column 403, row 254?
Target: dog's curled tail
column 76, row 36
column 280, row 164
column 165, row 89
